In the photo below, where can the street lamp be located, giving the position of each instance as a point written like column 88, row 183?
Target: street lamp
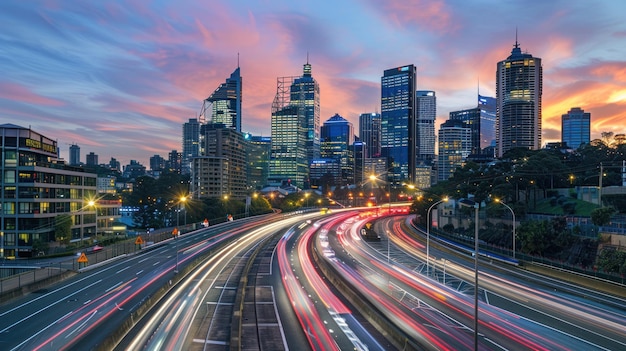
column 513, row 213
column 445, row 199
column 183, row 200
column 373, row 178
column 475, row 205
column 92, row 203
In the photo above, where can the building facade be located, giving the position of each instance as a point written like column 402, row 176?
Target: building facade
column 223, row 106
column 471, row 119
column 259, row 148
column 487, row 106
column 398, row 122
column 221, row 171
column 305, row 94
column 455, row 141
column 337, row 136
column 426, row 116
column 37, row 190
column 295, row 130
column 576, row 127
column 519, row 84
column 91, row 159
column 191, row 143
column 370, row 133
column 74, row 155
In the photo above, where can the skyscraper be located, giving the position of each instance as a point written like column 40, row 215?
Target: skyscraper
column 191, row 143
column 91, row 159
column 426, row 116
column 370, row 133
column 305, row 94
column 258, row 160
column 455, row 143
column 471, row 118
column 398, row 122
column 221, row 169
column 337, row 137
column 487, row 106
column 518, row 102
column 174, row 161
column 295, row 129
column 576, row 127
column 224, row 105
column 74, row 155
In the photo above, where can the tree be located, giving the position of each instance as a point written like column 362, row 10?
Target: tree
column 601, row 216
column 63, row 228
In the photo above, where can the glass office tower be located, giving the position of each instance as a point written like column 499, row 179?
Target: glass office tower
column 426, row 116
column 576, row 127
column 398, row 122
column 224, row 105
column 295, row 130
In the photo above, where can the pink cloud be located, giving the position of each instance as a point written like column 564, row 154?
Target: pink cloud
column 428, row 15
column 18, row 92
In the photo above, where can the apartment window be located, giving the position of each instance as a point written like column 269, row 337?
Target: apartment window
column 8, row 208
column 9, row 177
column 10, row 159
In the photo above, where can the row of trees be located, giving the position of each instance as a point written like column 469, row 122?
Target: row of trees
column 524, row 177
column 159, row 203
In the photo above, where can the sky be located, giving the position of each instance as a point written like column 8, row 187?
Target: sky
column 120, row 77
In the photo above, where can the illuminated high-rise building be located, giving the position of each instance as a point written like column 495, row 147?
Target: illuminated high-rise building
column 295, row 129
column 455, row 145
column 191, row 143
column 370, row 133
column 337, row 139
column 576, row 127
column 221, row 169
column 481, row 121
column 398, row 122
column 425, row 129
column 224, row 105
column 518, row 102
column 258, row 153
column 305, row 94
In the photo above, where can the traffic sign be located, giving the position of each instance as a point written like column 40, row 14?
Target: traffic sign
column 82, row 258
column 139, row 241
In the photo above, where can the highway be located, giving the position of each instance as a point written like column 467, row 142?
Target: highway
column 551, row 320
column 90, row 309
column 308, row 281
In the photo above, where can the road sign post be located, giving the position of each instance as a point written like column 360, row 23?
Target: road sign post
column 82, row 260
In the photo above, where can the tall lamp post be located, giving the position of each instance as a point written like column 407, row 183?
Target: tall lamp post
column 445, row 199
column 476, row 206
column 92, row 203
column 513, row 213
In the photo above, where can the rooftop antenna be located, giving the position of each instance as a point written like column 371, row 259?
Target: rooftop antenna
column 516, row 43
column 307, row 57
column 237, row 60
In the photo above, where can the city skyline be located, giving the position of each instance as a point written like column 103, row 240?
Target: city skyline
column 120, row 78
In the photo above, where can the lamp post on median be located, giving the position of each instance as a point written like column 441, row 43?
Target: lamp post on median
column 476, row 206
column 513, row 213
column 92, row 203
column 445, row 199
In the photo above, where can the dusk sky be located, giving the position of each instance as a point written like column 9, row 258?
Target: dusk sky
column 119, row 78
